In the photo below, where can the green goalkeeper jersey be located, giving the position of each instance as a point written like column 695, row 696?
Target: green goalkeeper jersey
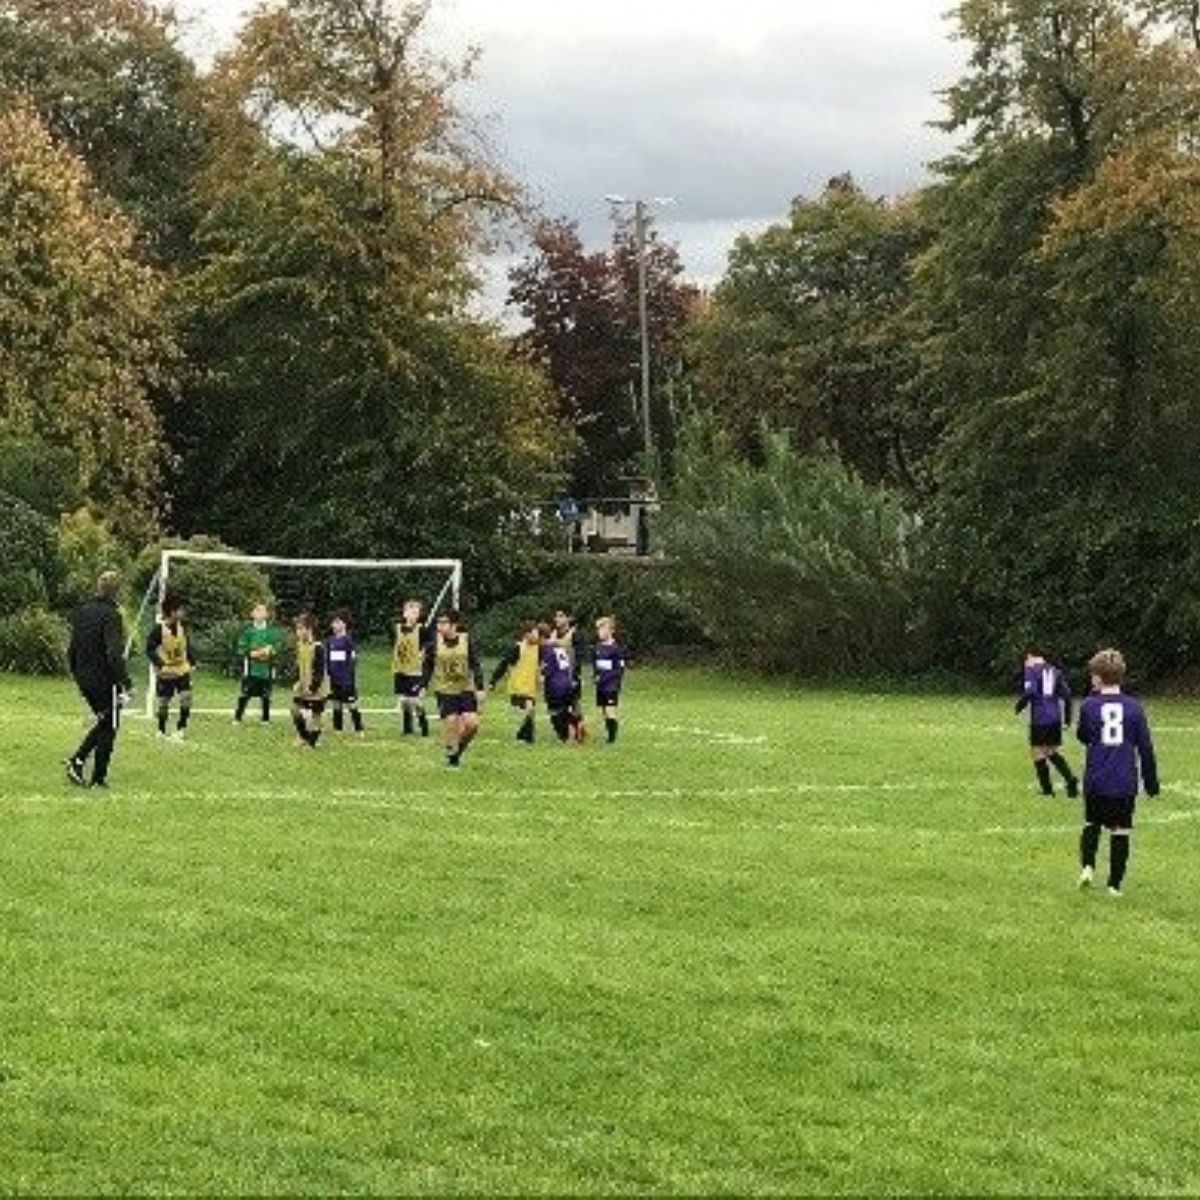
column 259, row 647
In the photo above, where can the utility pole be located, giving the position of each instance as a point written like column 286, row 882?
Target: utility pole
column 641, row 222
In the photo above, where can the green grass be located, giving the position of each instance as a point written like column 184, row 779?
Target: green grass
column 776, row 940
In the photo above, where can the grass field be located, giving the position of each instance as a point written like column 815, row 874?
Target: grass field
column 776, row 940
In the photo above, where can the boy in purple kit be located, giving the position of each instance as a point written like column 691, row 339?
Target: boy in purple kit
column 341, row 659
column 1114, row 729
column 1045, row 692
column 608, row 664
column 559, row 683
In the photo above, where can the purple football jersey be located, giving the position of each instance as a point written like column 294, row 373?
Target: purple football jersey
column 558, row 672
column 608, row 662
column 1046, row 691
column 340, row 658
column 1114, row 729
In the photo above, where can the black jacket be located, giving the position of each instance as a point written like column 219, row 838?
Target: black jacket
column 96, row 654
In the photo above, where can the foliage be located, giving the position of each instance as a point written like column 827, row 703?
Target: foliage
column 83, row 336
column 337, row 368
column 39, row 473
column 33, row 641
column 212, row 592
column 652, row 618
column 27, row 565
column 1060, row 344
column 85, row 546
column 583, row 316
column 809, row 330
column 794, row 563
column 109, row 83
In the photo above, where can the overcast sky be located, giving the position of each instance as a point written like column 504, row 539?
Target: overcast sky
column 731, row 108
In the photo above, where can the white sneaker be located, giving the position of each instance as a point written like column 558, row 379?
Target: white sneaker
column 1114, row 892
column 179, row 735
column 1086, row 876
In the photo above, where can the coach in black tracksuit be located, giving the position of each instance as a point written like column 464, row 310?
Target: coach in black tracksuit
column 96, row 657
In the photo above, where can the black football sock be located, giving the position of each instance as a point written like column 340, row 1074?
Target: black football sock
column 337, row 719
column 163, row 713
column 240, row 711
column 1118, row 859
column 561, row 723
column 1042, row 770
column 423, row 721
column 525, row 732
column 406, row 719
column 356, row 720
column 611, row 725
column 1089, row 843
column 266, row 708
column 1063, row 767
column 301, row 726
column 185, row 715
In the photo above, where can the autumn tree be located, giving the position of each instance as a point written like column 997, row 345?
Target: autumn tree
column 109, row 81
column 83, row 337
column 337, row 368
column 583, row 325
column 1060, row 348
column 809, row 331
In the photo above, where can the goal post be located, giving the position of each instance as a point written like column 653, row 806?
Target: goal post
column 437, row 582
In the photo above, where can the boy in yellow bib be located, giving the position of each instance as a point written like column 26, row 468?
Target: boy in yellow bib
column 521, row 663
column 312, row 682
column 453, row 671
column 170, row 651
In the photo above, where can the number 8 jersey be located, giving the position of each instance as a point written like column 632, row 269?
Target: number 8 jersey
column 1114, row 729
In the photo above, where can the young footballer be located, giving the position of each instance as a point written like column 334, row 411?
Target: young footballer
column 170, row 651
column 341, row 656
column 1114, row 729
column 566, row 635
column 521, row 663
column 1045, row 692
column 312, row 683
column 259, row 646
column 608, row 666
column 452, row 669
column 408, row 657
column 560, row 685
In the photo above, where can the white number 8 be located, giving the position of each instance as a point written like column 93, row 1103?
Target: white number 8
column 1112, row 725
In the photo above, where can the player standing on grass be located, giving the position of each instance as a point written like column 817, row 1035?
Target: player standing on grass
column 96, row 657
column 408, row 659
column 1044, row 690
column 567, row 636
column 520, row 663
column 1114, row 729
column 259, row 646
column 173, row 657
column 560, row 685
column 453, row 670
column 608, row 665
column 312, row 683
column 341, row 655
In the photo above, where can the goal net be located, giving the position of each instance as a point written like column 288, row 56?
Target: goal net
column 218, row 589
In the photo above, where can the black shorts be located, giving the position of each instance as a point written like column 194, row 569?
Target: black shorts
column 343, row 695
column 257, row 685
column 312, row 704
column 608, row 697
column 166, row 686
column 1046, row 735
column 1111, row 812
column 407, row 686
column 521, row 702
column 456, row 703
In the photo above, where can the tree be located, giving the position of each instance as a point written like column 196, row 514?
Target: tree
column 109, row 82
column 337, row 368
column 582, row 310
column 1060, row 337
column 809, row 330
column 83, row 335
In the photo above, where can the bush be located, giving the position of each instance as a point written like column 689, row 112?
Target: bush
column 640, row 593
column 27, row 559
column 792, row 563
column 41, row 474
column 85, row 546
column 33, row 642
